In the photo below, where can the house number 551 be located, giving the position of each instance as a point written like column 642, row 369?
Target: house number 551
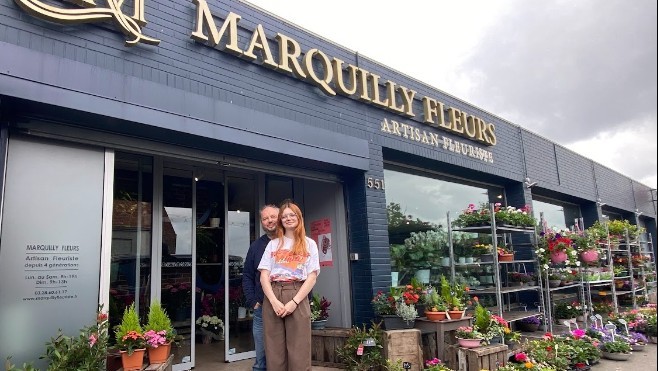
column 375, row 183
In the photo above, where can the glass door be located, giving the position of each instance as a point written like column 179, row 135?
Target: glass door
column 178, row 222
column 241, row 229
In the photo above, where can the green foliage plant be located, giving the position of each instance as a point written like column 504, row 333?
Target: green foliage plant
column 616, row 346
column 372, row 357
column 129, row 334
column 158, row 321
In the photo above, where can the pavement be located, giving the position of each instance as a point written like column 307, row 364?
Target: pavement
column 639, row 361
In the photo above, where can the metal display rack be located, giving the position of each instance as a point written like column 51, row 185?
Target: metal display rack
column 508, row 305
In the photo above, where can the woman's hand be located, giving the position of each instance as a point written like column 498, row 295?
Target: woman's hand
column 279, row 308
column 288, row 308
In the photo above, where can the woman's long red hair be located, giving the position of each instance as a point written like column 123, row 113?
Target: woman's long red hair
column 299, row 246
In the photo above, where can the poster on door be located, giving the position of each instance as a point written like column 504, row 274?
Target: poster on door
column 321, row 233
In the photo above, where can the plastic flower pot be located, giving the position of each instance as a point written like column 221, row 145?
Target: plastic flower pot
column 469, row 343
column 159, row 354
column 589, row 256
column 558, row 257
column 435, row 316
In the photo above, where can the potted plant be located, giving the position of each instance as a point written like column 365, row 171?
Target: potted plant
column 483, row 252
column 569, row 311
column 319, row 312
column 424, row 250
column 504, row 254
column 455, row 297
column 468, row 337
column 618, row 349
column 529, row 324
column 435, row 364
column 158, row 333
column 407, row 312
column 130, row 340
column 363, row 348
column 519, row 277
column 473, row 217
column 435, row 306
column 211, row 328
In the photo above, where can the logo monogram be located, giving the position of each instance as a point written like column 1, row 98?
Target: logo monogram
column 130, row 26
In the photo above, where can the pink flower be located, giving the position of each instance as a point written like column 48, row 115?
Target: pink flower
column 520, row 357
column 92, row 340
column 578, row 333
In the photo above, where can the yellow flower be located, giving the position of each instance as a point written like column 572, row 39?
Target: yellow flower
column 507, row 330
column 528, row 365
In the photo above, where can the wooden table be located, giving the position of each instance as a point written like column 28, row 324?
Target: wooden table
column 443, row 331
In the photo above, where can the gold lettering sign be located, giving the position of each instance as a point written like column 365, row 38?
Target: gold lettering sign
column 333, row 76
column 130, row 26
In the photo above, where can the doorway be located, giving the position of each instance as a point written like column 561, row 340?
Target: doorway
column 195, row 222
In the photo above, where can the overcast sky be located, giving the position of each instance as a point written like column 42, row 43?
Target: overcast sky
column 580, row 73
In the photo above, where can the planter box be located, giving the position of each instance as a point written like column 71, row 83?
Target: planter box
column 476, row 359
column 404, row 345
column 324, row 344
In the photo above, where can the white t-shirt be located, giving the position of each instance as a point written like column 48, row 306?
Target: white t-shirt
column 284, row 266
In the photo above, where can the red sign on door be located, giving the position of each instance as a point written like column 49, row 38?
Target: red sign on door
column 321, row 233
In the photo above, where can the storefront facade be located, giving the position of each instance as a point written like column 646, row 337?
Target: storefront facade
column 125, row 133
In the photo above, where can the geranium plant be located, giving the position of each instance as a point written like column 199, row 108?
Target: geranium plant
column 435, row 364
column 553, row 242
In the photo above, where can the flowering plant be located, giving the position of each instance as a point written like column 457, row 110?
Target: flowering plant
column 236, row 296
column 159, row 330
column 319, row 308
column 383, row 304
column 568, row 310
column 503, row 250
column 553, row 242
column 128, row 334
column 435, row 365
column 468, row 332
column 87, row 351
column 481, row 249
column 211, row 323
column 534, row 320
column 517, row 217
column 472, row 216
column 520, row 277
column 177, row 294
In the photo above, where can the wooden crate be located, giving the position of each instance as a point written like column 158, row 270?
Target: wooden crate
column 324, row 346
column 404, row 345
column 482, row 358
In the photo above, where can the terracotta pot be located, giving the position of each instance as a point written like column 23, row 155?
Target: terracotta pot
column 558, row 257
column 456, row 314
column 435, row 316
column 505, row 257
column 134, row 361
column 469, row 343
column 589, row 256
column 159, row 354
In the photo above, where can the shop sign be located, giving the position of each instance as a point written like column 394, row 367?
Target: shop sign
column 330, row 74
column 412, row 133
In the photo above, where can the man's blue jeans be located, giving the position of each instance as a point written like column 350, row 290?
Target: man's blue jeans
column 259, row 342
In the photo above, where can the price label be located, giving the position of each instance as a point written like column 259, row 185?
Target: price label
column 406, row 365
column 359, row 350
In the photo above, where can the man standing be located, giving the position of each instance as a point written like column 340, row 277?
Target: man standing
column 269, row 216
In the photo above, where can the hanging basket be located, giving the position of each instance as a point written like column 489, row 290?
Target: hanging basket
column 558, row 257
column 589, row 256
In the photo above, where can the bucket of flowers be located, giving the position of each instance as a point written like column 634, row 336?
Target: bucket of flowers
column 211, row 327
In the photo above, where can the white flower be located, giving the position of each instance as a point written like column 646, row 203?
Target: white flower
column 578, row 264
column 542, row 250
column 573, row 252
column 546, row 266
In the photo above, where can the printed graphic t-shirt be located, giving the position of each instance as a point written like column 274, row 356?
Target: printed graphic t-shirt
column 284, row 266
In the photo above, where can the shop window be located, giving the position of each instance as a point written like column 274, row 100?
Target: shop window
column 556, row 214
column 417, row 208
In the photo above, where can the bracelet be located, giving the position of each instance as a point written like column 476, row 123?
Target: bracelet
column 293, row 300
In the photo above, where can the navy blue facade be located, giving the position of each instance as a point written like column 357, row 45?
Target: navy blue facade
column 186, row 93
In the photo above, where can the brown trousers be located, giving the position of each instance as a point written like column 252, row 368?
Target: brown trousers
column 288, row 339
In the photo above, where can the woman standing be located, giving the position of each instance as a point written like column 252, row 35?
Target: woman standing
column 289, row 269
